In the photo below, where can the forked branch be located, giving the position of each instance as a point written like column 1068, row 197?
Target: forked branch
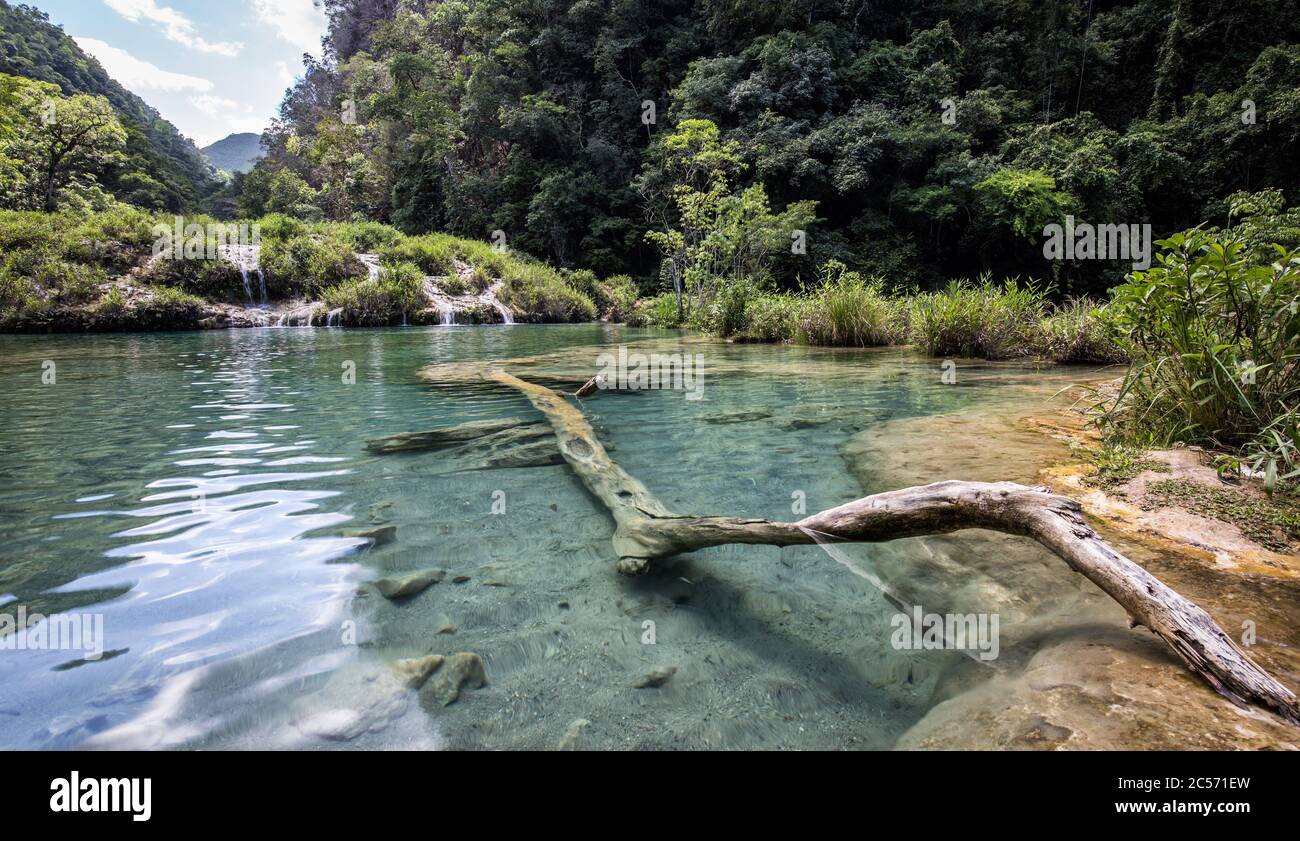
column 646, row 530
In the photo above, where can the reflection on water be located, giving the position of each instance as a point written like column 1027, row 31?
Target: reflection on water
column 196, row 490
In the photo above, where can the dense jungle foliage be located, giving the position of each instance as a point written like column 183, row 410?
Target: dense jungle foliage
column 913, row 140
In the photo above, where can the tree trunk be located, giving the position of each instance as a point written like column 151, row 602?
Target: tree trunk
column 646, row 530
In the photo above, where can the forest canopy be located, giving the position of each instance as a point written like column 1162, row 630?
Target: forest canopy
column 913, row 141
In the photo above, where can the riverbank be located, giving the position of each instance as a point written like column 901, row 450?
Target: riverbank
column 1092, row 683
column 121, row 269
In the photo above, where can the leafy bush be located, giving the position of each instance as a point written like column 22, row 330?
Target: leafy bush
column 453, row 284
column 33, row 283
column 772, row 318
column 616, row 298
column 277, row 226
column 724, row 313
column 398, row 291
column 659, row 311
column 1074, row 332
column 479, row 279
column 850, row 310
column 368, row 237
column 978, row 320
column 213, row 279
column 307, row 264
column 537, row 293
column 434, row 253
column 1214, row 331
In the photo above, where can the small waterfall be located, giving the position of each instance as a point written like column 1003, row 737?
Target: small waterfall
column 297, row 317
column 332, row 317
column 372, row 264
column 247, row 258
column 490, row 296
column 447, row 305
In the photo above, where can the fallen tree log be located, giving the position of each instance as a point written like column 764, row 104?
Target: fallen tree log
column 646, row 530
column 446, row 437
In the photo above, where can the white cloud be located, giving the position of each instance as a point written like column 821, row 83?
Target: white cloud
column 213, row 106
column 138, row 74
column 226, row 116
column 175, row 26
column 286, row 75
column 300, row 22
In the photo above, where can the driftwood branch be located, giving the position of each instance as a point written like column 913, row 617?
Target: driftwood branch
column 646, row 530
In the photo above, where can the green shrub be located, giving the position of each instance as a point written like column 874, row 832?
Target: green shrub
column 397, row 292
column 33, row 283
column 658, row 311
column 453, row 284
column 1074, row 332
column 277, row 226
column 724, row 314
column 367, row 237
column 1214, row 331
column 615, row 298
column 434, row 253
column 848, row 310
column 772, row 318
column 980, row 320
column 537, row 293
column 215, row 280
column 497, row 263
column 307, row 264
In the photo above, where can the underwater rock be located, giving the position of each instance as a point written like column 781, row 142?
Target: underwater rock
column 353, row 703
column 377, row 535
column 655, row 678
column 458, row 670
column 400, row 586
column 569, row 741
column 414, row 671
column 738, row 417
column 795, row 424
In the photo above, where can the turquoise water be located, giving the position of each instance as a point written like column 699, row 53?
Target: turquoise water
column 193, row 491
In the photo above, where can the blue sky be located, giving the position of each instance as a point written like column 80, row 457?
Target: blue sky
column 211, row 67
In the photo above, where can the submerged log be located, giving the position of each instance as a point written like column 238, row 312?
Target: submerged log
column 443, row 437
column 480, row 445
column 646, row 530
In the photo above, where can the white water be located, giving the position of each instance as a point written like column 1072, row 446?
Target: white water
column 372, row 264
column 449, row 304
column 247, row 258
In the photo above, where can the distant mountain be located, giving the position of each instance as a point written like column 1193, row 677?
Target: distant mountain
column 31, row 46
column 236, row 153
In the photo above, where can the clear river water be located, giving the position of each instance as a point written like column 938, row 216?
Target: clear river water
column 194, row 494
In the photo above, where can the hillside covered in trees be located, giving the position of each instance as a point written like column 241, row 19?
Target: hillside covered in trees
column 913, row 140
column 155, row 167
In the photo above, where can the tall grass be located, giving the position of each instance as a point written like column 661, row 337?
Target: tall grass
column 849, row 310
column 1075, row 332
column 980, row 319
column 384, row 301
column 537, row 293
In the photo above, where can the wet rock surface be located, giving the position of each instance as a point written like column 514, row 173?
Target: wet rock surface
column 409, row 584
